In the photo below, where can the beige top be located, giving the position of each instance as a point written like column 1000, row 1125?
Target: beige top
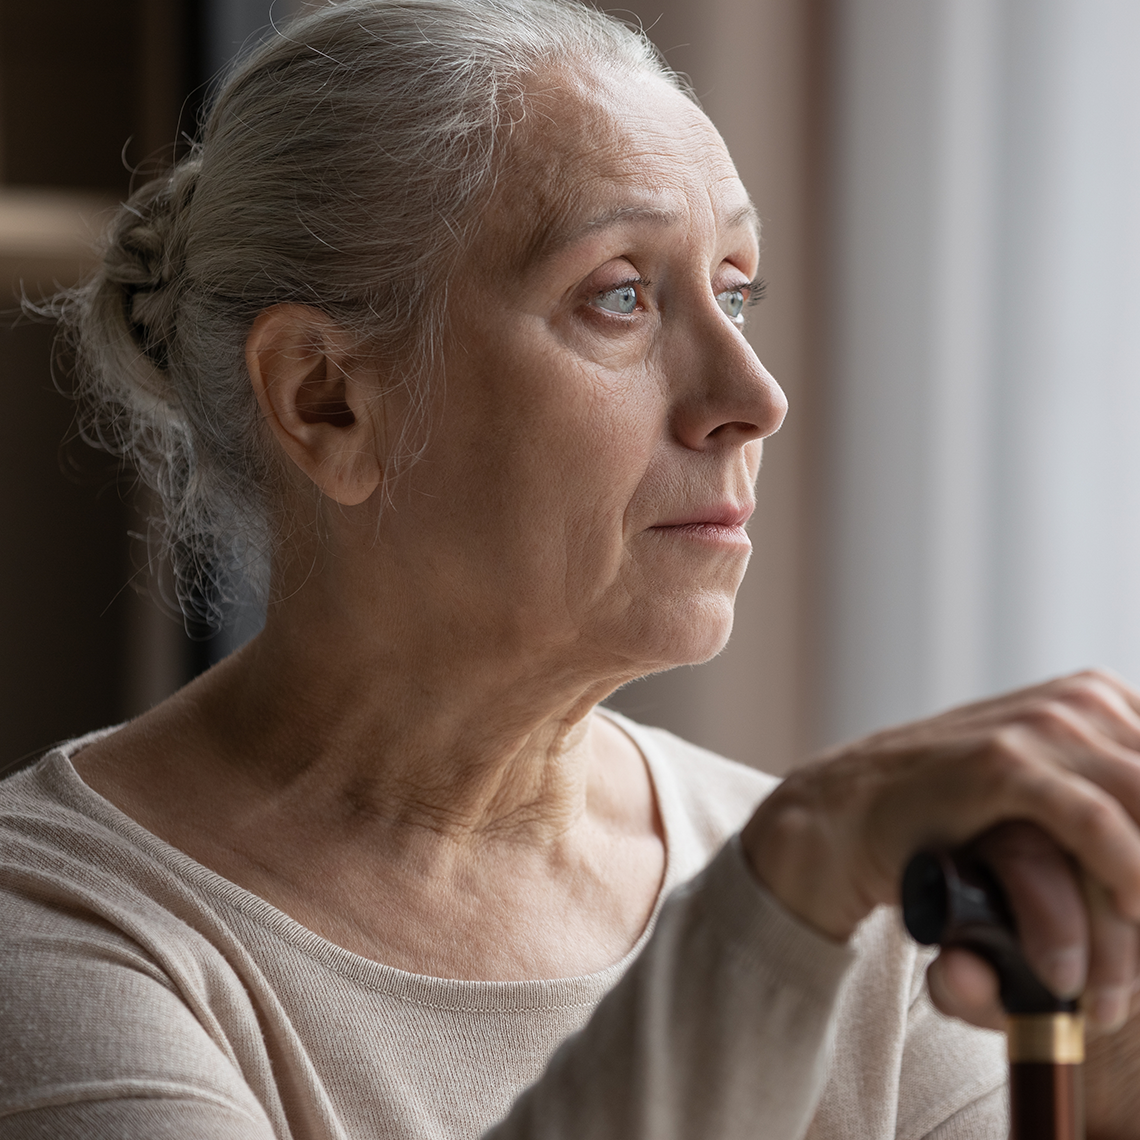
column 144, row 997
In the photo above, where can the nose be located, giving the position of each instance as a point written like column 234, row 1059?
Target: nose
column 724, row 396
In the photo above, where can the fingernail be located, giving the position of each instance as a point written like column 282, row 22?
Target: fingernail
column 1064, row 971
column 1109, row 1005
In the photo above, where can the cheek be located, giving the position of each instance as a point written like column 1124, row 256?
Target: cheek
column 548, row 452
column 621, row 426
column 587, row 431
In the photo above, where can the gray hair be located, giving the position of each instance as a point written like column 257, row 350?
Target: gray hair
column 341, row 166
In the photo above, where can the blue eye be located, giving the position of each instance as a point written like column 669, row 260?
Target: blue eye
column 732, row 302
column 621, row 300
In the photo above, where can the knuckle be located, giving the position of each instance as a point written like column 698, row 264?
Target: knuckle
column 1093, row 675
column 1010, row 744
column 1096, row 817
column 1091, row 686
column 1050, row 715
column 1005, row 760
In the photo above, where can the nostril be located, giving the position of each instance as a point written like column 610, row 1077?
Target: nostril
column 737, row 428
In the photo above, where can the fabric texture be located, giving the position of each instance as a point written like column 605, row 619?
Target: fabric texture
column 144, row 996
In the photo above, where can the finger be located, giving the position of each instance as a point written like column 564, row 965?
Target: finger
column 1015, row 776
column 1112, row 974
column 1114, row 768
column 1103, row 748
column 1102, row 698
column 1105, row 684
column 1048, row 903
column 1089, row 823
column 1096, row 696
column 962, row 985
column 1099, row 693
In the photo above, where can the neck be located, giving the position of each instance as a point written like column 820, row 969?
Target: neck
column 453, row 739
column 377, row 794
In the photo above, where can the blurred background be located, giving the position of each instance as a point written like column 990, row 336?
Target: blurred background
column 950, row 194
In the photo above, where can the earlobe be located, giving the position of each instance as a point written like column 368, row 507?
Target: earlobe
column 317, row 400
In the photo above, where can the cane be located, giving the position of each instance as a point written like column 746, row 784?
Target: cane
column 955, row 900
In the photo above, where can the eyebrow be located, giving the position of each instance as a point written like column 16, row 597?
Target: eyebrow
column 550, row 241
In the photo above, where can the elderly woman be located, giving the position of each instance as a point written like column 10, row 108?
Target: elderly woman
column 438, row 334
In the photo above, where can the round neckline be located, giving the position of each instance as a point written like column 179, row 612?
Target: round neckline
column 451, row 994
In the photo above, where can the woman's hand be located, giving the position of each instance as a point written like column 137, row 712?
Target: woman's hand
column 1048, row 777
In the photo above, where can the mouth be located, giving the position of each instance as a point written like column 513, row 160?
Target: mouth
column 722, row 524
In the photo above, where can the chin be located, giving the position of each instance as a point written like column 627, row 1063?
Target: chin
column 685, row 631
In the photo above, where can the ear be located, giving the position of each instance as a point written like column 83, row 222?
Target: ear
column 317, row 398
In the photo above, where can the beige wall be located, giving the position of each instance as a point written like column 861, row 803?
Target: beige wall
column 753, row 63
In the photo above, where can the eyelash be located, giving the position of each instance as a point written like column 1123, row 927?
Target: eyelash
column 757, row 290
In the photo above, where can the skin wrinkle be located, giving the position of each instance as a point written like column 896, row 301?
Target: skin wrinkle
column 557, row 199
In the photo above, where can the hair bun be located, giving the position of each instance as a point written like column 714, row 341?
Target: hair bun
column 145, row 259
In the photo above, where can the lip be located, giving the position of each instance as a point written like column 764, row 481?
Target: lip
column 721, row 524
column 722, row 514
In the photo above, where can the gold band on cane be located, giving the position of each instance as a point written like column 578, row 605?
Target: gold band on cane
column 1058, row 1038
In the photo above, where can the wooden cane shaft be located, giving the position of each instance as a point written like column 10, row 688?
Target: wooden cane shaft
column 1046, row 1101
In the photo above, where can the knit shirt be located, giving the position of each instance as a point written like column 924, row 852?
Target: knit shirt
column 144, row 997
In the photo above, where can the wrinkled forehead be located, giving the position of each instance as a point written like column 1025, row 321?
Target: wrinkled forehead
column 596, row 147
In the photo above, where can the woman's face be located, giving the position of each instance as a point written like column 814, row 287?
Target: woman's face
column 597, row 437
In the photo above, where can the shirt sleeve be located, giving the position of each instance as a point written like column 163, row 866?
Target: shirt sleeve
column 722, row 1027
column 134, row 1118
column 80, row 1007
column 984, row 1119
column 952, row 1080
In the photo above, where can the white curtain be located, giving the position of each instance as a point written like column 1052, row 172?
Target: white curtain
column 982, row 446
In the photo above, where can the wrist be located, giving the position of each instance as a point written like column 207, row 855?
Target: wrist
column 791, row 853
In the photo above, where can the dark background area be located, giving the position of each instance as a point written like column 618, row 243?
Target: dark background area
column 64, row 565
column 90, row 90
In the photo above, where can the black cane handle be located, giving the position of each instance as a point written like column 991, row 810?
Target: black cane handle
column 954, row 899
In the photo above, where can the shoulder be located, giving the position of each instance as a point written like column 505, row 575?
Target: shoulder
column 63, row 861
column 35, row 815
column 46, row 789
column 48, row 814
column 81, row 880
column 703, row 798
column 96, row 1027
column 112, row 991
